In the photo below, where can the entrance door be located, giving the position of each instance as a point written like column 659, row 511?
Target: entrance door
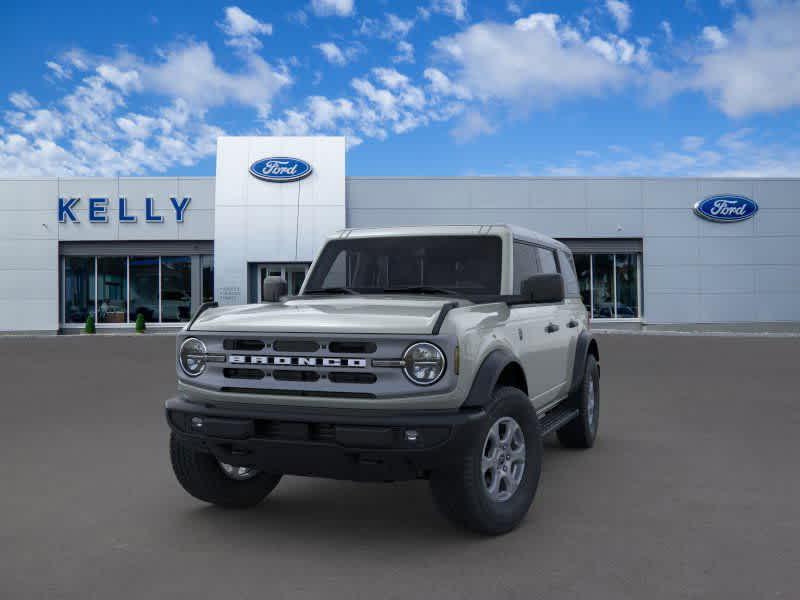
column 293, row 273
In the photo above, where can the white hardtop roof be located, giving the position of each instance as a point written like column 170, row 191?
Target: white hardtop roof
column 514, row 231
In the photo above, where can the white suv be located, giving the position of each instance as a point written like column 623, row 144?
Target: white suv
column 442, row 353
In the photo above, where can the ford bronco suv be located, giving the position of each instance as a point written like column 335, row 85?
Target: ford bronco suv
column 441, row 353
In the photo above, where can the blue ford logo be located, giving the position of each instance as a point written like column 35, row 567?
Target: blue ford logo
column 280, row 169
column 726, row 209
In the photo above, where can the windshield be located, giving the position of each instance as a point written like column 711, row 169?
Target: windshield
column 468, row 265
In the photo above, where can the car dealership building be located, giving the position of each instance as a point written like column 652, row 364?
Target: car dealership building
column 650, row 252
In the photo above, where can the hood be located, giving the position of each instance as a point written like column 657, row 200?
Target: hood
column 331, row 314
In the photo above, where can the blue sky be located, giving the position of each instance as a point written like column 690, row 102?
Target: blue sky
column 437, row 87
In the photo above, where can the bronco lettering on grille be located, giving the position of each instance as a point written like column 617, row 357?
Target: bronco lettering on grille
column 296, row 361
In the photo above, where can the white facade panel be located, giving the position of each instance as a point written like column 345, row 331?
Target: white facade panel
column 266, row 215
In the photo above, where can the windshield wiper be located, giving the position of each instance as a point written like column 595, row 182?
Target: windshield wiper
column 331, row 290
column 421, row 289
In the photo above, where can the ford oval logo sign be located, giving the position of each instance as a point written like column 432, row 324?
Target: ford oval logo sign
column 280, row 169
column 726, row 209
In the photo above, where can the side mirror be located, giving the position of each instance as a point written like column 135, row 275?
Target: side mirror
column 272, row 288
column 543, row 288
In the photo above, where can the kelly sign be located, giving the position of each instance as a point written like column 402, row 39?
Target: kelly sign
column 98, row 210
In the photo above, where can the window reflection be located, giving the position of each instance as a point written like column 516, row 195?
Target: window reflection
column 78, row 288
column 207, row 267
column 112, row 283
column 602, row 286
column 627, row 286
column 176, row 288
column 584, row 278
column 144, row 288
column 597, row 276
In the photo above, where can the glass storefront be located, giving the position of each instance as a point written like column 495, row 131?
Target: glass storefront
column 610, row 284
column 116, row 289
column 176, row 289
column 112, row 289
column 144, row 288
column 79, row 288
column 207, row 273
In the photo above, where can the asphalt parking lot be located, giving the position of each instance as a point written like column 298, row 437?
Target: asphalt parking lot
column 693, row 491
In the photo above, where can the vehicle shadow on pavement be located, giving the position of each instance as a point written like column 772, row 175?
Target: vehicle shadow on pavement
column 343, row 511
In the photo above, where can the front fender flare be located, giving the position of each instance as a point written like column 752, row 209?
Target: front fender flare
column 480, row 394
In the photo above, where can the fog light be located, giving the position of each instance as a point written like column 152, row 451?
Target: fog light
column 197, row 422
column 411, row 435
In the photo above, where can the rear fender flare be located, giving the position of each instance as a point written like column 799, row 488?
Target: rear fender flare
column 582, row 350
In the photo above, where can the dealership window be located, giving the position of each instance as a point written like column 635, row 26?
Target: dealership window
column 116, row 289
column 79, row 288
column 610, row 284
column 144, row 288
column 207, row 273
column 112, row 289
column 176, row 289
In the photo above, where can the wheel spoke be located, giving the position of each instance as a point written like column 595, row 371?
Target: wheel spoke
column 503, row 459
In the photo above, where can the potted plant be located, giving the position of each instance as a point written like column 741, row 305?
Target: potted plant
column 89, row 327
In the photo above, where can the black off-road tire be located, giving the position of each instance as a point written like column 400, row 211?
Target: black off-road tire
column 460, row 493
column 581, row 432
column 201, row 475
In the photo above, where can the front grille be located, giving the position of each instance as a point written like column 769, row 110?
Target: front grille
column 352, row 377
column 244, row 345
column 351, row 347
column 285, row 375
column 295, row 346
column 243, row 373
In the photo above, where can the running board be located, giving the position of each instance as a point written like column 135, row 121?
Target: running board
column 556, row 419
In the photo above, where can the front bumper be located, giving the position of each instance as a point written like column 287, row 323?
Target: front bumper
column 341, row 444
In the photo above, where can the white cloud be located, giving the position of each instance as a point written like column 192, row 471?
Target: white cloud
column 735, row 154
column 243, row 29
column 441, row 84
column 57, row 70
column 472, row 124
column 692, row 143
column 191, row 72
column 127, row 80
column 621, row 11
column 385, row 101
column 453, row 8
column 336, row 55
column 727, row 3
column 91, row 130
column 514, row 8
column 537, row 60
column 22, row 100
column 398, row 27
column 405, row 53
column 758, row 70
column 339, row 8
column 666, row 27
column 715, row 37
column 391, row 27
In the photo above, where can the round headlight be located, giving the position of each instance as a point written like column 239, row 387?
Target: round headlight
column 424, row 363
column 191, row 357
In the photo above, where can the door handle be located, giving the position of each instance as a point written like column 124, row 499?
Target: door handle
column 572, row 323
column 551, row 328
